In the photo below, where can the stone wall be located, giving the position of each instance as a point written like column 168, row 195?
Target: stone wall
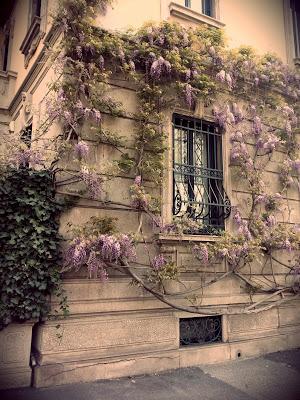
column 116, row 329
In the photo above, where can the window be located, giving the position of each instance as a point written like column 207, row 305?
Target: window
column 37, row 21
column 187, row 3
column 198, row 191
column 200, row 330
column 208, row 8
column 295, row 8
column 5, row 52
column 35, row 9
column 26, row 137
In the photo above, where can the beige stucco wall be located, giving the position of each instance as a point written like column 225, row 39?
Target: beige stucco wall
column 258, row 23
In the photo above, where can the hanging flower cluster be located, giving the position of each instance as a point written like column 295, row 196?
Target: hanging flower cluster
column 98, row 253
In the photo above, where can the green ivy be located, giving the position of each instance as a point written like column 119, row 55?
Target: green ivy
column 29, row 243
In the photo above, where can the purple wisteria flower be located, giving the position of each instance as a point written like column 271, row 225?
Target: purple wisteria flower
column 201, row 252
column 97, row 115
column 223, row 253
column 81, row 149
column 237, row 112
column 110, row 248
column 128, row 251
column 160, row 67
column 221, row 76
column 286, row 245
column 239, row 153
column 76, row 254
column 138, row 180
column 229, row 81
column 97, row 253
column 236, row 136
column 25, row 157
column 95, row 266
column 296, row 165
column 243, row 228
column 268, row 142
column 92, row 181
column 188, row 94
column 158, row 262
column 271, row 221
column 256, row 125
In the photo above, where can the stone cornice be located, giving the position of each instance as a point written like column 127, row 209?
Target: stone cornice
column 188, row 14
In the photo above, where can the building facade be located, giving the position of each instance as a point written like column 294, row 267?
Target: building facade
column 114, row 328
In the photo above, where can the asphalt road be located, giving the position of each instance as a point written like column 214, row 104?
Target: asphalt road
column 275, row 376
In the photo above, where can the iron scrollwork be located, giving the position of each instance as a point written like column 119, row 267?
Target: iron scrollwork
column 200, row 330
column 198, row 177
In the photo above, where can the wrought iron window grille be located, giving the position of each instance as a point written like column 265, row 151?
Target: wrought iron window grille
column 200, row 330
column 198, row 191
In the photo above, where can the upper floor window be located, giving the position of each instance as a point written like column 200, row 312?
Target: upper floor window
column 198, row 191
column 35, row 9
column 295, row 8
column 37, row 17
column 187, row 3
column 5, row 51
column 208, row 8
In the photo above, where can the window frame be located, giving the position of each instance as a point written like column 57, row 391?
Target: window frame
column 36, row 29
column 292, row 42
column 212, row 7
column 210, row 174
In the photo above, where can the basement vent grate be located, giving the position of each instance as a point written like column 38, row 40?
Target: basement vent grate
column 200, row 330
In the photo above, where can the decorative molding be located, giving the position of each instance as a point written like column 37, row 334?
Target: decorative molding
column 188, row 14
column 36, row 68
column 31, row 40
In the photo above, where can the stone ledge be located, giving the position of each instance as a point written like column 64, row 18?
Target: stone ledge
column 83, row 371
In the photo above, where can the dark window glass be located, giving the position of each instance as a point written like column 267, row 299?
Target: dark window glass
column 208, row 7
column 187, row 3
column 295, row 7
column 5, row 53
column 198, row 191
column 35, row 9
column 26, row 135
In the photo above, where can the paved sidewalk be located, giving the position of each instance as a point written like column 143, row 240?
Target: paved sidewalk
column 273, row 377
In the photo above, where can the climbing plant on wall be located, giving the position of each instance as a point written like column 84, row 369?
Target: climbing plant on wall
column 29, row 241
column 168, row 65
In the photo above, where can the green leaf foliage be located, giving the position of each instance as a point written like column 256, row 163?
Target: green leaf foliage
column 29, row 244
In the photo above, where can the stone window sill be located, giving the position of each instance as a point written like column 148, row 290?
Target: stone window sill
column 175, row 239
column 193, row 16
column 31, row 40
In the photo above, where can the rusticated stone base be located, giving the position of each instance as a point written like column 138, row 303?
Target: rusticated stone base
column 137, row 364
column 88, row 348
column 15, row 346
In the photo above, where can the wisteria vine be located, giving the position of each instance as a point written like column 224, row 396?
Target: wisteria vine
column 171, row 66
